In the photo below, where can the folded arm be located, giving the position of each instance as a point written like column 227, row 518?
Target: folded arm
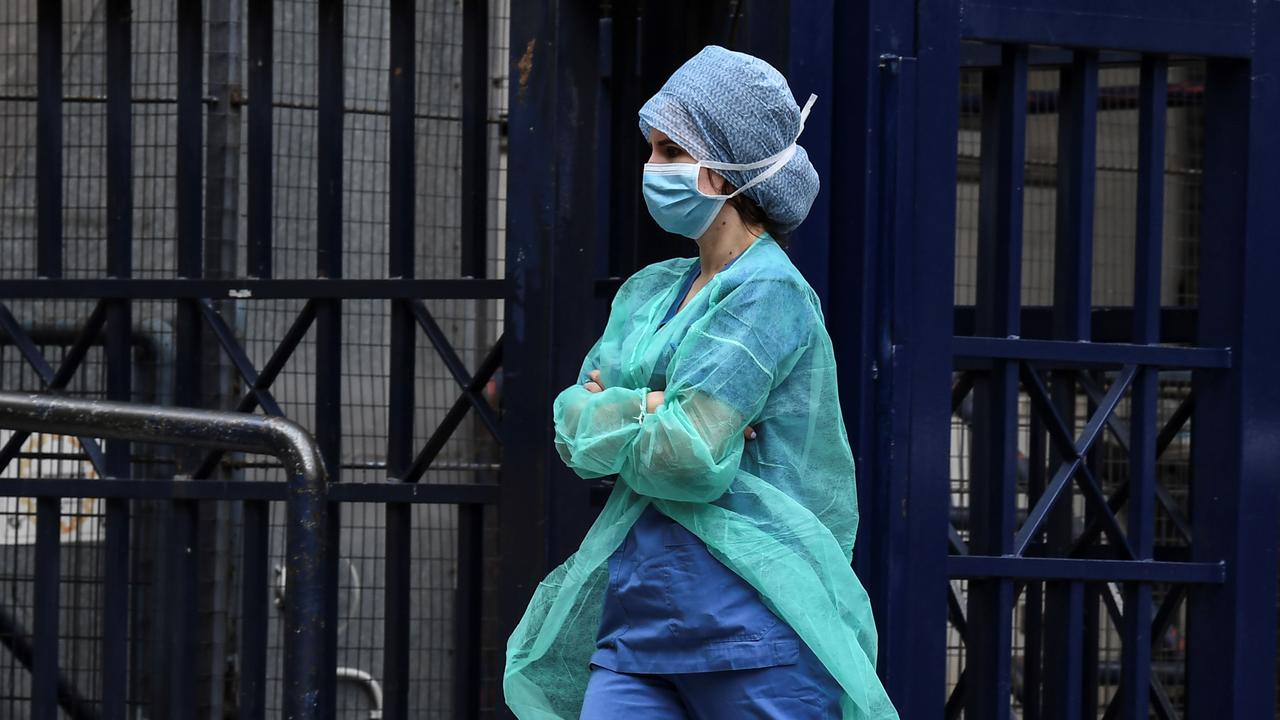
column 689, row 448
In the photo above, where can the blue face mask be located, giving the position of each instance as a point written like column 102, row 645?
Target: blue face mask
column 675, row 202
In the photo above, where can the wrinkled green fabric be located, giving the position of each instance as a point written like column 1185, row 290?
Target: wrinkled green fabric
column 780, row 510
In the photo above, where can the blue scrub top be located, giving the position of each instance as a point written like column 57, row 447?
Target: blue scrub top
column 671, row 607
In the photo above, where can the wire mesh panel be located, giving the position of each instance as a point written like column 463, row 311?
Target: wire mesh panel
column 215, row 189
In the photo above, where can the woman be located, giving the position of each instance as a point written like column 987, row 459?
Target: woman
column 716, row 582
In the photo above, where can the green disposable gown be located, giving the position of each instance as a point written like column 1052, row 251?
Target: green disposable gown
column 780, row 510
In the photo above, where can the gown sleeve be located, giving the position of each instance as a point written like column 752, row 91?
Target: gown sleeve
column 721, row 375
column 591, row 429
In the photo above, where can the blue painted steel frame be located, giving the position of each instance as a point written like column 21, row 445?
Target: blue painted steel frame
column 1232, row 648
column 1232, row 629
column 872, row 255
column 550, row 240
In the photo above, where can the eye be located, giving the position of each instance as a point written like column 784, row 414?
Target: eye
column 672, row 152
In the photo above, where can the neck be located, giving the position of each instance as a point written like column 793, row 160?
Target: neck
column 722, row 242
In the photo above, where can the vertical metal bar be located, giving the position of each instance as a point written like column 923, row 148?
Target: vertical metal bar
column 475, row 137
column 119, row 142
column 1070, row 667
column 626, row 146
column 400, row 450
column 882, row 472
column 328, row 378
column 811, row 38
column 329, row 118
column 893, row 303
column 118, row 350
column 309, row 656
column 995, row 468
column 1090, row 641
column 401, row 196
column 1077, row 143
column 181, row 597
column 1073, row 265
column 224, row 40
column 261, row 39
column 467, row 604
column 1033, row 614
column 395, row 653
column 189, row 165
column 119, row 217
column 44, row 651
column 184, row 581
column 1135, row 668
column 1231, row 658
column 187, row 374
column 253, row 609
column 570, row 225
column 549, row 134
column 49, row 139
column 1153, row 100
column 115, row 610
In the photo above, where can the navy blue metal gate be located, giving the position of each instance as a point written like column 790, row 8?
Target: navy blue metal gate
column 1043, row 554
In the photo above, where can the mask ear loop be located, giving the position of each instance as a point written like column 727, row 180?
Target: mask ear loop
column 774, row 162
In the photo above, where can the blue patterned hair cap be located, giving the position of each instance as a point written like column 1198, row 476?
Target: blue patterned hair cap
column 726, row 106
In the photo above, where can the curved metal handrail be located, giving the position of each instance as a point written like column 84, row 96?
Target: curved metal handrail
column 306, row 547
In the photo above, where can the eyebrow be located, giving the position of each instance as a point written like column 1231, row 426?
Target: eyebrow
column 668, row 142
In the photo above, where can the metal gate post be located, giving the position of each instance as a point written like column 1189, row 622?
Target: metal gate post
column 884, row 272
column 550, row 236
column 1232, row 628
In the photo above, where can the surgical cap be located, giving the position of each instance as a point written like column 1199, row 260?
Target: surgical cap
column 726, row 106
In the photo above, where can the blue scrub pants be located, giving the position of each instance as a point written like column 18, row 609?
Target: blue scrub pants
column 801, row 691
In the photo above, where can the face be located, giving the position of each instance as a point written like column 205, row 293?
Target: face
column 663, row 149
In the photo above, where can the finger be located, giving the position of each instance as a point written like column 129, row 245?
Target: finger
column 595, row 376
column 593, row 387
column 749, row 433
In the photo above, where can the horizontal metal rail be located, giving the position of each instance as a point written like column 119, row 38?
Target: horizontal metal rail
column 1066, row 569
column 306, row 502
column 1063, row 352
column 260, row 289
column 186, row 489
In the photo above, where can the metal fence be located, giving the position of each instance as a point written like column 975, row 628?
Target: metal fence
column 293, row 208
column 1115, row 206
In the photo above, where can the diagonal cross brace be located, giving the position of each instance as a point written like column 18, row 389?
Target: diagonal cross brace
column 1075, row 453
column 260, row 386
column 1164, row 616
column 454, row 417
column 454, row 364
column 54, row 380
column 227, row 339
column 1166, row 437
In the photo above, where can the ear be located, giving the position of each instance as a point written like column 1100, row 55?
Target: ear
column 713, row 183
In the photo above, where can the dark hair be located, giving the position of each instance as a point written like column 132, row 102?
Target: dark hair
column 752, row 214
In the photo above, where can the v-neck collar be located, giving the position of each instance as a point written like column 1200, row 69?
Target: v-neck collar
column 692, row 275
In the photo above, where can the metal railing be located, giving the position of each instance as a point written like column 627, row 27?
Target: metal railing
column 307, row 548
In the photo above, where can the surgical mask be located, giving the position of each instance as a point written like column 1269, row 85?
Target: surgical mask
column 677, row 204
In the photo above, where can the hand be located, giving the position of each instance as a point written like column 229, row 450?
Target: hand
column 653, row 400
column 595, row 384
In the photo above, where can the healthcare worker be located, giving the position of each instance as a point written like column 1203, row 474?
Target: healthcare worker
column 716, row 582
